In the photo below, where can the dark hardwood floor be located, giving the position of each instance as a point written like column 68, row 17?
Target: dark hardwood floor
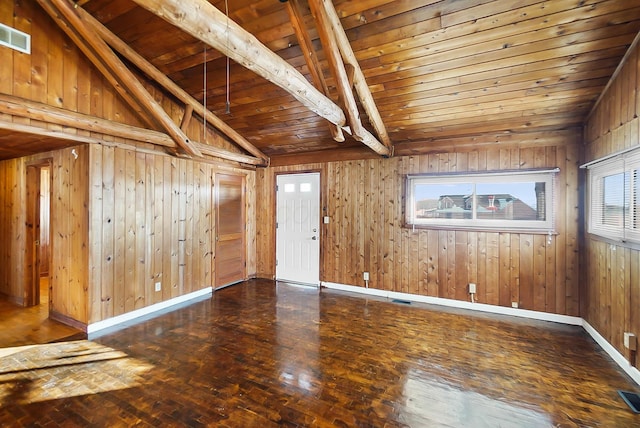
column 260, row 354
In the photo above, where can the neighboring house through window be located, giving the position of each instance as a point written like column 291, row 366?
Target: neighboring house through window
column 504, row 200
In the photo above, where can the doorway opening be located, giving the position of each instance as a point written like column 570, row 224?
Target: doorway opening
column 38, row 286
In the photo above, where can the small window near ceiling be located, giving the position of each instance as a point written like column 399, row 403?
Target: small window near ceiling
column 614, row 200
column 289, row 187
column 505, row 200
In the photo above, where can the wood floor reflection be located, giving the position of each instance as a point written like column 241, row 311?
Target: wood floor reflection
column 260, row 354
column 29, row 326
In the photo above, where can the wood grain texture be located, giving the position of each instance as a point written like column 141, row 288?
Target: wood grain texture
column 611, row 269
column 261, row 354
column 158, row 230
column 366, row 232
column 58, row 74
column 119, row 218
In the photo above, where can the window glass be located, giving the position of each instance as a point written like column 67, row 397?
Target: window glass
column 305, row 187
column 289, row 187
column 483, row 201
column 444, row 200
column 511, row 201
column 614, row 205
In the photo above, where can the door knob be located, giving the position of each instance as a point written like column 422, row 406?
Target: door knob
column 314, row 238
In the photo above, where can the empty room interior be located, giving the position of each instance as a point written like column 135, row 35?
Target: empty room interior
column 324, row 213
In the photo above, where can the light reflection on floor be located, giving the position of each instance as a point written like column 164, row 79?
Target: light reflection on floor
column 30, row 374
column 432, row 403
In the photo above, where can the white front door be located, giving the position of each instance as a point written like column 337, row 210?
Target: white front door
column 298, row 228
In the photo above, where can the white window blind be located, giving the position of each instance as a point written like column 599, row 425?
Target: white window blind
column 614, row 205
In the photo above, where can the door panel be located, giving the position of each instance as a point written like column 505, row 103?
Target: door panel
column 230, row 258
column 298, row 228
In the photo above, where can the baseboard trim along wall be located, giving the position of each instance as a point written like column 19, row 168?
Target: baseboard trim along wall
column 122, row 321
column 501, row 310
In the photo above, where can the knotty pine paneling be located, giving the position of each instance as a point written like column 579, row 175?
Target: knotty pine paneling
column 121, row 220
column 613, row 269
column 152, row 220
column 365, row 198
column 12, row 227
column 68, row 220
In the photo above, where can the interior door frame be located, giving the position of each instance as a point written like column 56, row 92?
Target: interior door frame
column 322, row 214
column 33, row 226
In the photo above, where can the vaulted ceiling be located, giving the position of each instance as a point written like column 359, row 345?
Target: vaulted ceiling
column 436, row 70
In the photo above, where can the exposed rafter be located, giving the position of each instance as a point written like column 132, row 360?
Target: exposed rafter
column 332, row 52
column 20, row 107
column 99, row 53
column 361, row 86
column 191, row 104
column 206, row 23
column 295, row 15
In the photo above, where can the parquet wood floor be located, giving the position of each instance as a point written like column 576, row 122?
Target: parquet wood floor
column 261, row 354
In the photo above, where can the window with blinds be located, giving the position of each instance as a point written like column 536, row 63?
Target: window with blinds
column 614, row 203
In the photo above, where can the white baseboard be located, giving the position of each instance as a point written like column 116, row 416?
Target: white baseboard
column 482, row 307
column 633, row 372
column 617, row 357
column 121, row 320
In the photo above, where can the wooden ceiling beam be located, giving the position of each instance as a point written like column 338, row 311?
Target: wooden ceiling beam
column 203, row 21
column 123, row 80
column 332, row 52
column 295, row 15
column 191, row 103
column 20, row 107
column 359, row 81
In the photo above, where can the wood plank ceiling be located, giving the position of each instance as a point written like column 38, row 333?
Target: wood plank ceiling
column 437, row 70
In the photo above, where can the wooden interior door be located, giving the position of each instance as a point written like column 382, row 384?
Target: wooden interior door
column 230, row 257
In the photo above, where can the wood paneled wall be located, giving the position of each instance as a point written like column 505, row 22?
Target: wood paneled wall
column 121, row 218
column 152, row 220
column 57, row 73
column 364, row 200
column 121, row 221
column 69, row 187
column 12, row 220
column 613, row 269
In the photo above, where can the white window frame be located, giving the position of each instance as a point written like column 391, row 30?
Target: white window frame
column 547, row 226
column 627, row 163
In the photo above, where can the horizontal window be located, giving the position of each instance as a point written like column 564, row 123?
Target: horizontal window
column 506, row 200
column 614, row 200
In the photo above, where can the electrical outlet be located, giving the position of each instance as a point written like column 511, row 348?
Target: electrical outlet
column 514, row 305
column 365, row 276
column 630, row 341
column 158, row 286
column 472, row 288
